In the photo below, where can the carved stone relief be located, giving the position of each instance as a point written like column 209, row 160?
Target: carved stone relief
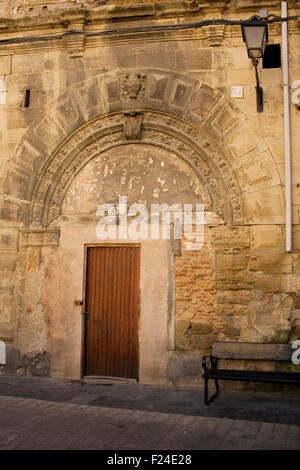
column 132, row 125
column 133, row 85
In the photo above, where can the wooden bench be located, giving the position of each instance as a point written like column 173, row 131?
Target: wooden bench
column 247, row 351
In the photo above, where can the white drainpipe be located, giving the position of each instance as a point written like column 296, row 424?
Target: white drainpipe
column 287, row 129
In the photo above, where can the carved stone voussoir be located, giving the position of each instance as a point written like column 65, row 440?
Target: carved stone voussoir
column 132, row 125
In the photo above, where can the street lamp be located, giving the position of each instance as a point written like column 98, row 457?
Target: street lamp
column 255, row 35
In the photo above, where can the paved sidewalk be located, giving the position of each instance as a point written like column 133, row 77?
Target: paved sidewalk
column 59, row 419
column 38, row 424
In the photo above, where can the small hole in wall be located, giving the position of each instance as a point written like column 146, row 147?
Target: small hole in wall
column 272, row 57
column 45, row 7
column 27, row 99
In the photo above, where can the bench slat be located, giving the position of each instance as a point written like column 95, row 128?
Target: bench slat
column 251, row 375
column 254, row 351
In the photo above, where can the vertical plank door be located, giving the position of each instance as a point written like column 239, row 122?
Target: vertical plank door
column 112, row 300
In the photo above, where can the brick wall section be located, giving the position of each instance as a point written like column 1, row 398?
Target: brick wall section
column 195, row 323
column 213, row 289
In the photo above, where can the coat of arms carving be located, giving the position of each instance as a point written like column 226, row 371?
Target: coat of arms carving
column 133, row 85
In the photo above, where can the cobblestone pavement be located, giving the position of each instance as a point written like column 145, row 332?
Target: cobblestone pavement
column 44, row 414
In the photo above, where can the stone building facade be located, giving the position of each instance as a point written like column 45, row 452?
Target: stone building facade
column 101, row 99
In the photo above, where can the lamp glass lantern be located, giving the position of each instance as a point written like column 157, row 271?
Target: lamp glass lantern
column 255, row 35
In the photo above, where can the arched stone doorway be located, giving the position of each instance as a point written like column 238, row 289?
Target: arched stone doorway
column 145, row 174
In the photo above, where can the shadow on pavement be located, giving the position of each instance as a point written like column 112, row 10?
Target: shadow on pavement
column 273, row 407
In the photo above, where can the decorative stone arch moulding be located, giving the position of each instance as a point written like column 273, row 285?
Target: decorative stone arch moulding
column 157, row 129
column 157, row 107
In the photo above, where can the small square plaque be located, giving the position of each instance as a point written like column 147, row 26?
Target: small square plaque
column 237, row 92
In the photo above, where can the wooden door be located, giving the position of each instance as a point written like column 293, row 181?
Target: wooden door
column 112, row 303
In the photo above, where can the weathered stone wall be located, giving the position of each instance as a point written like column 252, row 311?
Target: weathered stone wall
column 168, row 91
column 241, row 286
column 248, row 288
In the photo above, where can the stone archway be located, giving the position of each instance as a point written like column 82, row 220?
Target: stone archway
column 163, row 131
column 173, row 112
column 195, row 120
column 170, row 110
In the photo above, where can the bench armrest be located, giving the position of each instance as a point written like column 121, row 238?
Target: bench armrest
column 213, row 362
